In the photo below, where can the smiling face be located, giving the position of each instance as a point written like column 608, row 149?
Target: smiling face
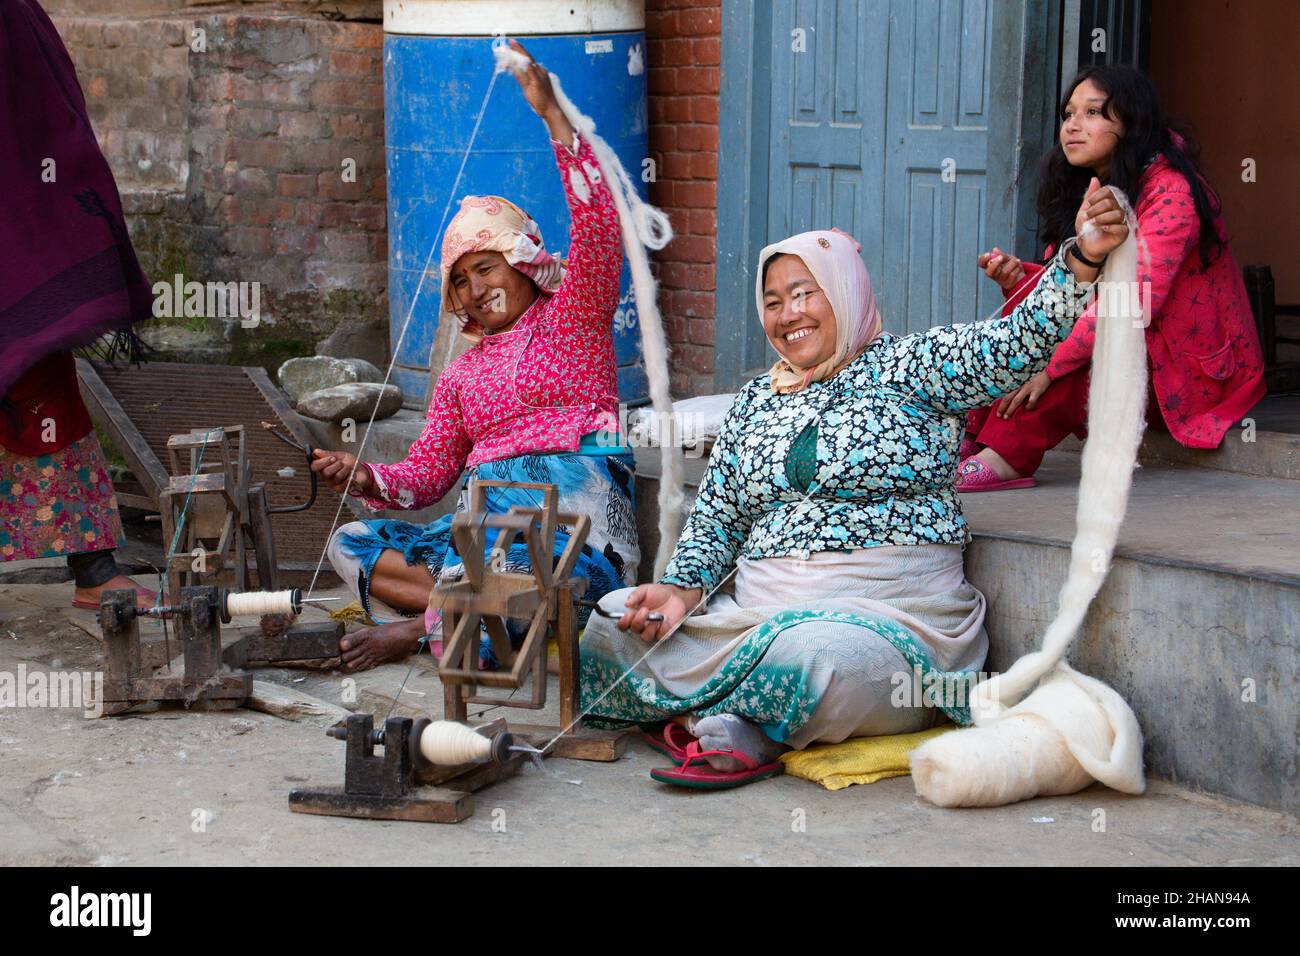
column 1088, row 135
column 797, row 316
column 490, row 291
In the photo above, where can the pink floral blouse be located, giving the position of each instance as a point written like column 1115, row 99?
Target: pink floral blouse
column 542, row 385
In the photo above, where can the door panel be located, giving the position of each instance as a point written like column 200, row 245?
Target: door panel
column 901, row 122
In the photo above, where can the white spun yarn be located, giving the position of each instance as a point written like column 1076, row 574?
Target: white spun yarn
column 1072, row 729
column 643, row 227
column 449, row 744
column 254, row 603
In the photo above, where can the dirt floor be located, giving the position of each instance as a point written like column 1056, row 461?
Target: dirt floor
column 180, row 787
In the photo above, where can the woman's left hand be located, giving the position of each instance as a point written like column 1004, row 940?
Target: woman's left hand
column 1027, row 395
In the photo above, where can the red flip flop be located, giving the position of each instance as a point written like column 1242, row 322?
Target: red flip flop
column 149, row 598
column 672, row 742
column 705, row 777
column 974, row 475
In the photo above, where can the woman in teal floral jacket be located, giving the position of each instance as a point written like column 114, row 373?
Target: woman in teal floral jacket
column 829, row 496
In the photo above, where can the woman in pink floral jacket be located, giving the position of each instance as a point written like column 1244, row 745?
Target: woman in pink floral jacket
column 535, row 399
column 1207, row 368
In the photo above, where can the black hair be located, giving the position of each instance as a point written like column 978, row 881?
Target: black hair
column 1131, row 99
column 768, row 262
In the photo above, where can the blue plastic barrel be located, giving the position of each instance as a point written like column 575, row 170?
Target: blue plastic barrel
column 437, row 66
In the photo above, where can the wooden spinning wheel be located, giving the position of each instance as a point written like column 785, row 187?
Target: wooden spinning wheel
column 489, row 595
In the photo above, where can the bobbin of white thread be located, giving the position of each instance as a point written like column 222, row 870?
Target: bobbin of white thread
column 446, row 743
column 257, row 603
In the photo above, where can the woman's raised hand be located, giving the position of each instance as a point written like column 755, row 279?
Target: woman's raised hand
column 536, row 84
column 335, row 467
column 1004, row 269
column 666, row 599
column 1100, row 223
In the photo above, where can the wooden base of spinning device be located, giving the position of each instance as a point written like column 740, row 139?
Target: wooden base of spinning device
column 206, row 672
column 397, row 786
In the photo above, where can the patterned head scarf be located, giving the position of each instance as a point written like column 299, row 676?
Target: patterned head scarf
column 494, row 224
column 832, row 258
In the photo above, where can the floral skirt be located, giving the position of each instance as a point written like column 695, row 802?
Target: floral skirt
column 57, row 504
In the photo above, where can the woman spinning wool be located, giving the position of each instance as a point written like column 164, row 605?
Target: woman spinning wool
column 534, row 400
column 830, row 495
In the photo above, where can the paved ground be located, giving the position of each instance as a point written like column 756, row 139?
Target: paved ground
column 128, row 791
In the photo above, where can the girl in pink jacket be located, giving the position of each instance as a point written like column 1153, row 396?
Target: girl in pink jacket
column 1207, row 369
column 535, row 399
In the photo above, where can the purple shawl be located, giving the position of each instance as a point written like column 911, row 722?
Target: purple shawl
column 68, row 273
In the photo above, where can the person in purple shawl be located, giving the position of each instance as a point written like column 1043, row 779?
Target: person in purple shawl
column 68, row 278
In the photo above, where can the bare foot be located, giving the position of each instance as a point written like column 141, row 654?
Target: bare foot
column 999, row 464
column 117, row 583
column 372, row 646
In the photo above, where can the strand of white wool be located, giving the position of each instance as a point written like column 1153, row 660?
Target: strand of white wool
column 449, row 744
column 253, row 603
column 643, row 227
column 1072, row 728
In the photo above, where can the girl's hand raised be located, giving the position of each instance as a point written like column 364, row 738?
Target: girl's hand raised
column 1100, row 223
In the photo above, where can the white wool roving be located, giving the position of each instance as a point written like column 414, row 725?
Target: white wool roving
column 1072, row 729
column 644, row 227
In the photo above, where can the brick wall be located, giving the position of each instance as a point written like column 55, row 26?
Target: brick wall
column 230, row 160
column 683, row 57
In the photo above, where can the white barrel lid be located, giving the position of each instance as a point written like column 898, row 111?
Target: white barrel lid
column 515, row 18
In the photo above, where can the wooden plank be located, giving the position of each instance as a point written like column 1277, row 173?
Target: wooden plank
column 173, row 688
column 302, row 642
column 109, row 415
column 196, row 484
column 580, row 743
column 428, row 805
column 290, row 704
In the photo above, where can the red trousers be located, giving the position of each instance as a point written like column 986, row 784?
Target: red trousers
column 1026, row 436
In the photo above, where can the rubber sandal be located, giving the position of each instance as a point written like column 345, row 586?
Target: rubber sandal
column 974, row 475
column 672, row 741
column 150, row 597
column 705, row 777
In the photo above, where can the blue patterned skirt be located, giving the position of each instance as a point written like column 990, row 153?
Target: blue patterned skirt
column 599, row 486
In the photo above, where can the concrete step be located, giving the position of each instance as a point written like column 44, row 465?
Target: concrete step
column 1198, row 624
column 1268, row 446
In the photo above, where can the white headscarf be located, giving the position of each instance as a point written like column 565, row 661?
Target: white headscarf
column 832, row 258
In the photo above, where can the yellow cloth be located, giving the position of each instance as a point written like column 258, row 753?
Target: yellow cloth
column 857, row 760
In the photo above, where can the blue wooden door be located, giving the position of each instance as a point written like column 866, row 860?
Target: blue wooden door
column 935, row 182
column 892, row 119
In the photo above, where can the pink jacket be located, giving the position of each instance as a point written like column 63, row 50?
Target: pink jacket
column 544, row 384
column 1206, row 362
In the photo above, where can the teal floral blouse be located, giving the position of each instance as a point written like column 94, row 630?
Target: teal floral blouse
column 887, row 431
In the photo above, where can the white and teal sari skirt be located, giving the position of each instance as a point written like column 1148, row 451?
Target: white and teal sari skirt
column 847, row 644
